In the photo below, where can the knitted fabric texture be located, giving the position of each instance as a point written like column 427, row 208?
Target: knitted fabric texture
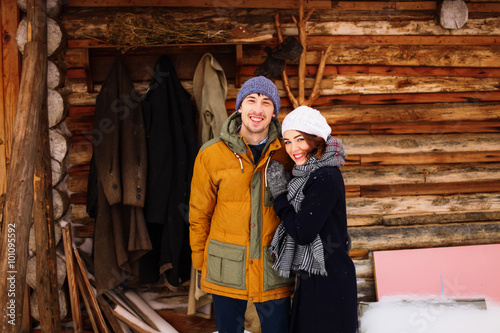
column 259, row 85
column 308, row 120
column 289, row 255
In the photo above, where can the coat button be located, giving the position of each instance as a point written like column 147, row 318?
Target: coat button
column 115, row 186
column 251, row 261
column 138, row 196
column 139, row 190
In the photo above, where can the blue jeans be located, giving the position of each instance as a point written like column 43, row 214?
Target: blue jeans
column 229, row 314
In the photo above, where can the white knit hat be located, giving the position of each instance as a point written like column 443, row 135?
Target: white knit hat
column 307, row 120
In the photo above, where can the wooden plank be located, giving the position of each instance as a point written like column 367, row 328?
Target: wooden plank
column 19, row 193
column 403, row 40
column 72, row 283
column 425, row 143
column 384, row 84
column 462, row 217
column 285, row 4
column 488, row 96
column 90, row 293
column 10, row 65
column 462, row 55
column 43, row 226
column 435, row 128
column 362, row 175
column 431, row 158
column 407, row 237
column 311, row 70
column 411, row 205
column 429, row 189
column 407, row 113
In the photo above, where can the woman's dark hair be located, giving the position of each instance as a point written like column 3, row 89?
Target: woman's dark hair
column 318, row 144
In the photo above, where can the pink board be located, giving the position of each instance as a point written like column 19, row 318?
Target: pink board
column 450, row 272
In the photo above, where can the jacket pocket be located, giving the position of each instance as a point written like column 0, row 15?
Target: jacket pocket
column 268, row 197
column 226, row 264
column 272, row 279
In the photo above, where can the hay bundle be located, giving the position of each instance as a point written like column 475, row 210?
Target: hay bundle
column 129, row 31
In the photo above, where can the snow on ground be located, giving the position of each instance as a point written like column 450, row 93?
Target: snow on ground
column 406, row 315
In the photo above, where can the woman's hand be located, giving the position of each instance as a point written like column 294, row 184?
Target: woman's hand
column 277, row 178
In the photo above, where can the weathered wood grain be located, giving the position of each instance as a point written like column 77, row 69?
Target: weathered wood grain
column 411, row 205
column 407, row 237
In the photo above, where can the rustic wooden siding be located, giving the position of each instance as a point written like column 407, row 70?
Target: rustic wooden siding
column 416, row 106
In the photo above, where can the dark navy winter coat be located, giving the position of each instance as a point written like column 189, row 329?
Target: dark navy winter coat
column 322, row 304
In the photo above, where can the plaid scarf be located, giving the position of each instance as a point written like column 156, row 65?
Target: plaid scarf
column 289, row 255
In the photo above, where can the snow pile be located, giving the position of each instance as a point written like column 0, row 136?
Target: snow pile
column 404, row 315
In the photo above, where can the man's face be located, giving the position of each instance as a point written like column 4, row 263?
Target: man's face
column 257, row 111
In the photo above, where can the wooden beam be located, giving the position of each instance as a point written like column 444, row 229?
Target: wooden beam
column 429, row 189
column 19, row 195
column 431, row 158
column 403, row 40
column 331, row 70
column 407, row 237
column 72, row 280
column 462, row 217
column 10, row 65
column 43, row 224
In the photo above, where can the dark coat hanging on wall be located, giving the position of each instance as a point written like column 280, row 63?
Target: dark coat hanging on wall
column 118, row 179
column 169, row 117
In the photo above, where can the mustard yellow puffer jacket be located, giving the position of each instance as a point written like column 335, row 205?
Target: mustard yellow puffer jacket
column 231, row 216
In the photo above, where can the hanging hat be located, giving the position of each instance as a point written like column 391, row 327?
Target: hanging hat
column 307, row 120
column 259, row 85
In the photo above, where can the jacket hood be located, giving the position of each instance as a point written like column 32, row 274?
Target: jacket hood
column 229, row 132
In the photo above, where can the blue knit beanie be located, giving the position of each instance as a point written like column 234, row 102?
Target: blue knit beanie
column 259, row 85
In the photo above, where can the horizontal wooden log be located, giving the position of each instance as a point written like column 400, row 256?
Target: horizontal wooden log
column 397, row 55
column 420, row 174
column 436, row 128
column 92, row 22
column 79, row 215
column 407, row 237
column 32, row 241
column 366, row 289
column 411, row 205
column 60, row 203
column 317, row 4
column 374, row 84
column 407, row 113
column 311, row 70
column 415, row 144
column 430, row 158
column 81, row 150
column 429, row 189
column 462, row 217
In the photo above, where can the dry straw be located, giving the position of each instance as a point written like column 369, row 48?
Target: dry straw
column 129, row 31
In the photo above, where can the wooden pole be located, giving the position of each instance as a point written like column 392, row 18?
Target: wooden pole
column 20, row 178
column 43, row 221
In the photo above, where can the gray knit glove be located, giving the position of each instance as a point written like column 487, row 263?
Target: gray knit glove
column 277, row 178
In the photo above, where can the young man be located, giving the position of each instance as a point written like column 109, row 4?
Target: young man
column 231, row 216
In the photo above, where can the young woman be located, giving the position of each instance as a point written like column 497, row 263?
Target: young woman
column 312, row 239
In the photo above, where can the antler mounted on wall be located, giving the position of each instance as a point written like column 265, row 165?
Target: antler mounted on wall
column 301, row 25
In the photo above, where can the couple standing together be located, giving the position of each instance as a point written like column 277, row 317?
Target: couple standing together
column 268, row 204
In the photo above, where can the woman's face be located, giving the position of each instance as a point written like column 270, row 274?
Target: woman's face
column 297, row 146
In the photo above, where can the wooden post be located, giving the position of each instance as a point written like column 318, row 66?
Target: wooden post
column 20, row 178
column 47, row 290
column 9, row 82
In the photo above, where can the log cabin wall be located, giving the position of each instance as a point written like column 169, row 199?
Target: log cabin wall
column 417, row 106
